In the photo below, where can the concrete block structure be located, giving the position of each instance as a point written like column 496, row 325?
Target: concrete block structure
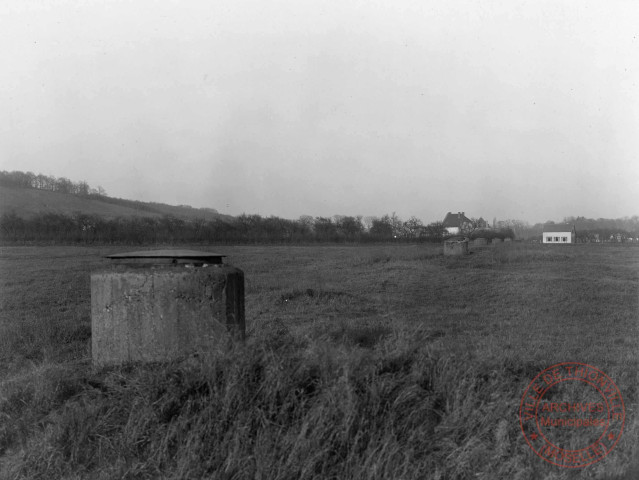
column 154, row 308
column 456, row 246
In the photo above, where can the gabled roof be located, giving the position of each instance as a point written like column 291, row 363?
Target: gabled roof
column 559, row 227
column 455, row 220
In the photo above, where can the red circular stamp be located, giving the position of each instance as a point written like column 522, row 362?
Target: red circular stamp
column 572, row 415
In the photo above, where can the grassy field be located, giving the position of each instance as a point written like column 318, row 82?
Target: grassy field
column 387, row 361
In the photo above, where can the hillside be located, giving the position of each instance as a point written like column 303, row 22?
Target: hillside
column 29, row 202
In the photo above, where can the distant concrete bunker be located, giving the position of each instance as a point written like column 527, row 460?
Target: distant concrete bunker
column 162, row 304
column 456, row 246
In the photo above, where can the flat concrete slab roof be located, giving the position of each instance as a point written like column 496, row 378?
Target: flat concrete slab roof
column 168, row 255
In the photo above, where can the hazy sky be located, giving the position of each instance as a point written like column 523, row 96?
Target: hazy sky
column 507, row 109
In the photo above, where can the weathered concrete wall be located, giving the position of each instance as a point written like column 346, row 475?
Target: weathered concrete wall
column 456, row 247
column 480, row 241
column 150, row 314
column 496, row 240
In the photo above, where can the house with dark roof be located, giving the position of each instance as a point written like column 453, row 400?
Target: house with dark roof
column 559, row 234
column 456, row 223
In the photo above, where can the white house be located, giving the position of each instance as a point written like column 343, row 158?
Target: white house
column 559, row 233
column 456, row 223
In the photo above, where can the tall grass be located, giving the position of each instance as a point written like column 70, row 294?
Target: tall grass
column 273, row 409
column 363, row 363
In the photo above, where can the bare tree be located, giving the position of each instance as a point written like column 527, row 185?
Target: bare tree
column 413, row 227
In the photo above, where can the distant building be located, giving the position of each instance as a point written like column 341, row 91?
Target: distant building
column 456, row 223
column 559, row 233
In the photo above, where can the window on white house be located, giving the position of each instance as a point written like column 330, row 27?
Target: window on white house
column 556, row 239
column 549, row 239
column 564, row 239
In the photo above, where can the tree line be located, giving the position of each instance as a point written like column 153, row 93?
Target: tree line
column 168, row 229
column 45, row 182
column 587, row 229
column 155, row 228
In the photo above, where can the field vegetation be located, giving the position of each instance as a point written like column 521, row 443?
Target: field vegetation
column 375, row 361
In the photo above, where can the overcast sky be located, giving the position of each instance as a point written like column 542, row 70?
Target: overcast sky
column 507, row 109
